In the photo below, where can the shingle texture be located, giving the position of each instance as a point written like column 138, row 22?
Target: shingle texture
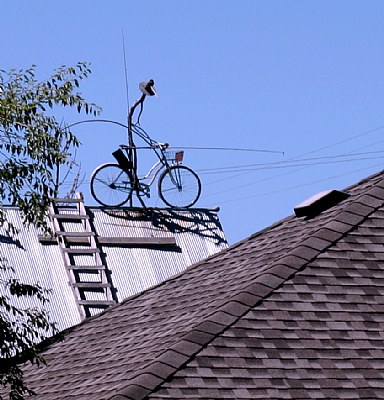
column 293, row 312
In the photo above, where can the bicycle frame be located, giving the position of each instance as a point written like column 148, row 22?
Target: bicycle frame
column 150, row 172
column 159, row 150
column 164, row 164
column 114, row 184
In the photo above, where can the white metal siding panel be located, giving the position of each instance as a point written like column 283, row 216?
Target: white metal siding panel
column 36, row 263
column 133, row 269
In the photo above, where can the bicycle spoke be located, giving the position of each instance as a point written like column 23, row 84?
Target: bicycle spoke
column 110, row 185
column 179, row 187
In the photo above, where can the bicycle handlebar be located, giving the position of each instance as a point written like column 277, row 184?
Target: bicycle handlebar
column 161, row 146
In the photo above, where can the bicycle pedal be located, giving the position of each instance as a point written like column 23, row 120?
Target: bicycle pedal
column 146, row 191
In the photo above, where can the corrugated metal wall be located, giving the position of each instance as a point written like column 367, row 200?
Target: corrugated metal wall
column 37, row 263
column 198, row 234
column 134, row 268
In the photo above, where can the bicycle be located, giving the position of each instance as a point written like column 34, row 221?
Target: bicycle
column 112, row 184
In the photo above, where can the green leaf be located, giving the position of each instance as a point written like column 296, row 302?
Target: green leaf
column 33, row 145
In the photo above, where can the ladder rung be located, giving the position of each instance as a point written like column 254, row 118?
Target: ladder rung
column 80, row 251
column 97, row 303
column 70, row 217
column 88, row 268
column 76, row 234
column 68, row 209
column 91, row 285
column 63, row 200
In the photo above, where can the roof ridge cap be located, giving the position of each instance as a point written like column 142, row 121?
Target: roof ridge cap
column 377, row 175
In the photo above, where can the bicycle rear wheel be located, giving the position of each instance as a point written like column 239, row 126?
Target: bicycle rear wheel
column 179, row 186
column 110, row 185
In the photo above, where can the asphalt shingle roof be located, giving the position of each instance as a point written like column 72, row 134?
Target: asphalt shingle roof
column 295, row 311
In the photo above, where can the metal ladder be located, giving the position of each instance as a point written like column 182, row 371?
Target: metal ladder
column 88, row 275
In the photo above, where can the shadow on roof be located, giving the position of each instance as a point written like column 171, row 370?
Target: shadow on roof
column 202, row 222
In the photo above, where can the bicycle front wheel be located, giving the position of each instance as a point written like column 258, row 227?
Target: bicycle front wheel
column 179, row 186
column 110, row 185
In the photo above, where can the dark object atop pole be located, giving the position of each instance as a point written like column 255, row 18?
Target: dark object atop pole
column 147, row 88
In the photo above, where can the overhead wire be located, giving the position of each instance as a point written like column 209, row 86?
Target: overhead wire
column 297, row 167
column 299, row 186
column 294, row 164
column 303, row 166
column 229, row 149
column 248, row 184
column 344, row 140
column 290, row 163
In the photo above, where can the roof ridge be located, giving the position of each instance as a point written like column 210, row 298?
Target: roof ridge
column 232, row 309
column 376, row 175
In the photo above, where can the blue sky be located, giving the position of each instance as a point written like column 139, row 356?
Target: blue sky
column 301, row 77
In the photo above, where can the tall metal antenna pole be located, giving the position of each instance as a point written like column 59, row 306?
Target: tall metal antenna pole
column 126, row 78
column 147, row 89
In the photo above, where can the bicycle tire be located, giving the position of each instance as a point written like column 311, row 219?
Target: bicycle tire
column 179, row 186
column 110, row 185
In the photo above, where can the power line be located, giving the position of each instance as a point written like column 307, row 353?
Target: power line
column 342, row 141
column 299, row 186
column 292, row 163
column 228, row 149
column 248, row 184
column 300, row 167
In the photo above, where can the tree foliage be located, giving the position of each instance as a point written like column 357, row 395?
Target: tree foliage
column 34, row 145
